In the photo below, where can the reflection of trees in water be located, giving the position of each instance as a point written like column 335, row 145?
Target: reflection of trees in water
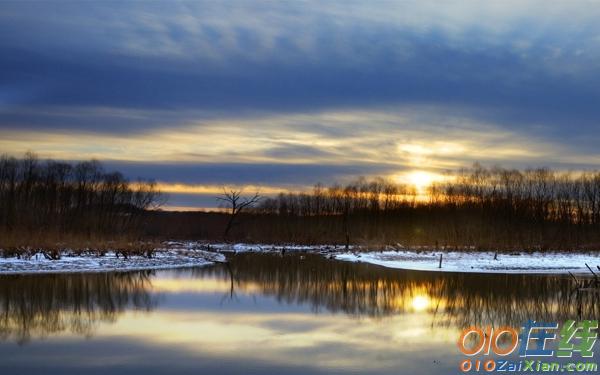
column 513, row 299
column 45, row 304
column 453, row 299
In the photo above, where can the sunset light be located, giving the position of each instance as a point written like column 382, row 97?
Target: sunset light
column 299, row 187
column 421, row 180
column 420, row 303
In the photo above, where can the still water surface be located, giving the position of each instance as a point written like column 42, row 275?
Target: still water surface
column 265, row 314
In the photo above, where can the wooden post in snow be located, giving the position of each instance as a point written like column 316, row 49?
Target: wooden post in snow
column 441, row 255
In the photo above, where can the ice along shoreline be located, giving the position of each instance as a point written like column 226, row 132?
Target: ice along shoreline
column 480, row 262
column 109, row 262
column 195, row 254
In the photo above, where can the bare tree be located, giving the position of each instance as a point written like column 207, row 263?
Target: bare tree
column 236, row 204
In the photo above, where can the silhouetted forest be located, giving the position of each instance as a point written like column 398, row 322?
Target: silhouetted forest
column 56, row 200
column 481, row 208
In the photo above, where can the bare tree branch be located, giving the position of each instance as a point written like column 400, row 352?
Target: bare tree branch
column 236, row 203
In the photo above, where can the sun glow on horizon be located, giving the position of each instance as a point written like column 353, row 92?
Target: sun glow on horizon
column 421, row 180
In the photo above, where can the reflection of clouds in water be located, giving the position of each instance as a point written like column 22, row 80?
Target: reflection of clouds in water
column 272, row 312
column 279, row 296
column 325, row 340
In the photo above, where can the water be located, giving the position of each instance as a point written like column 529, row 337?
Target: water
column 265, row 314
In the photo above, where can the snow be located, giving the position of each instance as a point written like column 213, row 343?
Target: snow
column 480, row 262
column 162, row 259
column 240, row 247
column 265, row 248
column 179, row 254
column 175, row 254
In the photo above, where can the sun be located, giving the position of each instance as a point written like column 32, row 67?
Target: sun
column 421, row 180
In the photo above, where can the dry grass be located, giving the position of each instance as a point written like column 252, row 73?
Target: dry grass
column 53, row 246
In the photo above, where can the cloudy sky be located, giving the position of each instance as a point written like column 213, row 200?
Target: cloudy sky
column 284, row 94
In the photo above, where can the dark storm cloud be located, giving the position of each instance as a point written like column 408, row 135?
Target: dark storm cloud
column 242, row 173
column 295, row 151
column 493, row 86
column 51, row 57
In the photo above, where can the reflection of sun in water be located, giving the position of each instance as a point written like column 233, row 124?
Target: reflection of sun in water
column 420, row 302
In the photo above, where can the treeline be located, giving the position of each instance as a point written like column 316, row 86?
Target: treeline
column 54, row 199
column 480, row 207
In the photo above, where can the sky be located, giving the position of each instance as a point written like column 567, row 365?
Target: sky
column 280, row 95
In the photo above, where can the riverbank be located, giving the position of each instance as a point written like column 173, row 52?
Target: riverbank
column 68, row 261
column 179, row 254
column 480, row 262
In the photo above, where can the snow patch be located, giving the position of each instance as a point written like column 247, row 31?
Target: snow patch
column 162, row 259
column 481, row 262
column 180, row 254
column 265, row 248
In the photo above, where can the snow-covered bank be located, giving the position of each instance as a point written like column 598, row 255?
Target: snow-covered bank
column 177, row 254
column 257, row 248
column 162, row 259
column 265, row 248
column 174, row 254
column 482, row 262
